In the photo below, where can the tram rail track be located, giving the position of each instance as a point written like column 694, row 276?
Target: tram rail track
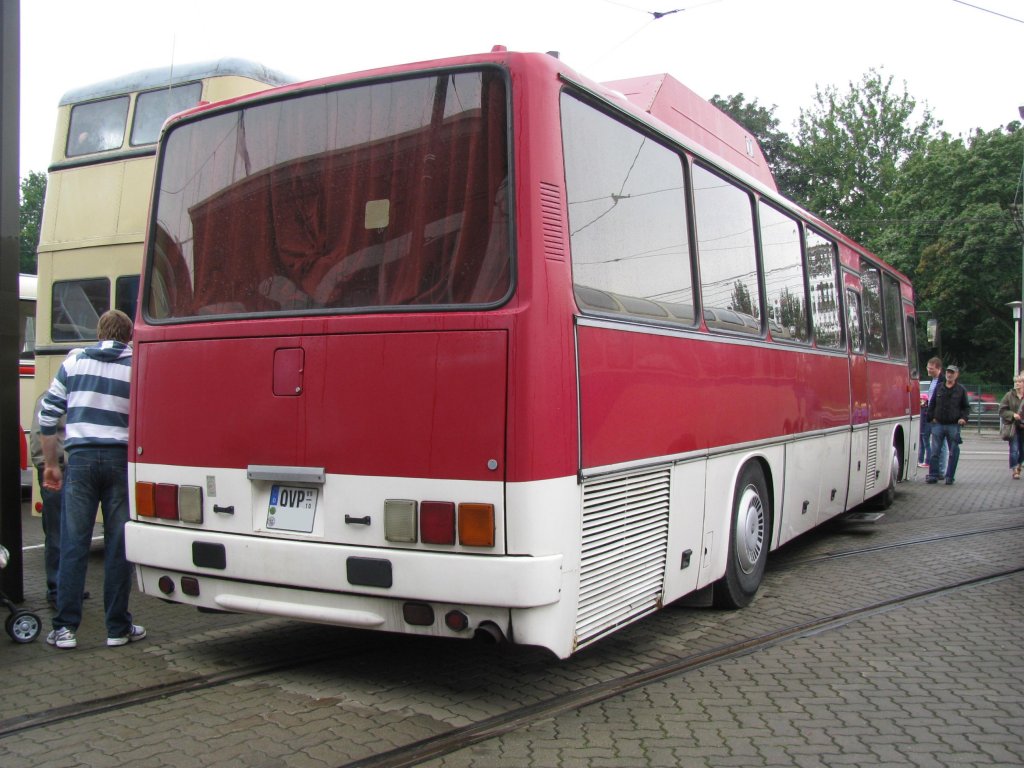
column 500, row 724
column 930, row 539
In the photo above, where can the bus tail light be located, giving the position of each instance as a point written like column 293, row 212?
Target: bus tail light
column 145, row 499
column 167, row 501
column 400, row 520
column 437, row 522
column 476, row 525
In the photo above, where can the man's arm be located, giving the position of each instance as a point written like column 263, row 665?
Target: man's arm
column 52, row 476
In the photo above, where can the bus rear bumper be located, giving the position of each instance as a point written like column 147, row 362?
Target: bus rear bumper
column 308, row 567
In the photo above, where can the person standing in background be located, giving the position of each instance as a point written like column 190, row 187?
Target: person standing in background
column 948, row 411
column 1010, row 412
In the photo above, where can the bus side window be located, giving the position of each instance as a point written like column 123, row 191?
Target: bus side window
column 821, row 268
column 97, row 126
column 873, row 312
column 126, row 294
column 853, row 325
column 893, row 304
column 152, row 108
column 726, row 252
column 784, row 277
column 76, row 308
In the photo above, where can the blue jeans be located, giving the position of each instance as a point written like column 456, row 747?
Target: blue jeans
column 944, row 434
column 94, row 476
column 51, row 535
column 1017, row 448
column 924, row 449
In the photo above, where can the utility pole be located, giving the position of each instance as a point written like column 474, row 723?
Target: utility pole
column 10, row 450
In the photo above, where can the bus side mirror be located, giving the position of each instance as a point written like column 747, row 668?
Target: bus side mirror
column 933, row 332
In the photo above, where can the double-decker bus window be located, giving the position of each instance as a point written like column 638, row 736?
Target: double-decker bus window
column 97, row 126
column 126, row 294
column 627, row 219
column 874, row 319
column 821, row 266
column 728, row 259
column 894, row 317
column 390, row 194
column 152, row 108
column 76, row 308
column 784, row 279
column 853, row 324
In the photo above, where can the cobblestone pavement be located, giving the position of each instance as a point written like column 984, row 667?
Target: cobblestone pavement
column 937, row 681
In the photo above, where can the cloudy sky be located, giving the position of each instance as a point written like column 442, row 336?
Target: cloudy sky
column 967, row 64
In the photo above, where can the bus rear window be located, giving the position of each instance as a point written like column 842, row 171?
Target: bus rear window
column 387, row 195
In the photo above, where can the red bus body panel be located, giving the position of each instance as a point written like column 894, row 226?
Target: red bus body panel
column 411, row 404
column 652, row 395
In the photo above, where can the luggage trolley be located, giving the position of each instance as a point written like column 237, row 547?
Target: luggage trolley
column 23, row 626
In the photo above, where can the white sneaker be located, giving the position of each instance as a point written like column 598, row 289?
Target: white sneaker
column 62, row 638
column 136, row 633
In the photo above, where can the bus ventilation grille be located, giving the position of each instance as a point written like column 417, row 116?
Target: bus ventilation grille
column 872, row 463
column 552, row 222
column 625, row 541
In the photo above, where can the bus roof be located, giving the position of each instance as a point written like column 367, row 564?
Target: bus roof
column 666, row 98
column 173, row 75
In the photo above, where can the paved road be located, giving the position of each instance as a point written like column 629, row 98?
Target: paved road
column 935, row 681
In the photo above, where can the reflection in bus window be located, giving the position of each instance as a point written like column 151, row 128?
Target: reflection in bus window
column 725, row 248
column 853, row 321
column 154, row 107
column 874, row 322
column 97, row 126
column 821, row 267
column 76, row 308
column 627, row 218
column 783, row 275
column 894, row 318
column 126, row 294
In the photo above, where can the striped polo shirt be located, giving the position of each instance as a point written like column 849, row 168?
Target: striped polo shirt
column 91, row 388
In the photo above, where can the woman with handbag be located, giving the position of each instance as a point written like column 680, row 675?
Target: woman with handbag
column 1011, row 427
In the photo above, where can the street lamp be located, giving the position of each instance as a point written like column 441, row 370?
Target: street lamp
column 1016, row 307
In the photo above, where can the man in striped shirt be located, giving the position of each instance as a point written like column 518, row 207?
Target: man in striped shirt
column 91, row 390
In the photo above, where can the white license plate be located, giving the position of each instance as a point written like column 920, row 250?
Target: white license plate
column 291, row 508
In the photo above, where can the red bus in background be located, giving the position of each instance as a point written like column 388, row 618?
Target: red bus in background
column 479, row 347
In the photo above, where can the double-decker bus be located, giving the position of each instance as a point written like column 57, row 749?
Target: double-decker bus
column 97, row 194
column 481, row 348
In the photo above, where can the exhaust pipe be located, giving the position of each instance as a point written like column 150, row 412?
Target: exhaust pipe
column 489, row 633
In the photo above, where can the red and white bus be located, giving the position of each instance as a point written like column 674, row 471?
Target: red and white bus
column 478, row 347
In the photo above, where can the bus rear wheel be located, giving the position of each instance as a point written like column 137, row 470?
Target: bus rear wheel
column 748, row 540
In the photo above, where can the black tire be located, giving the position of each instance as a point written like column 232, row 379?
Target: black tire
column 23, row 626
column 885, row 499
column 748, row 540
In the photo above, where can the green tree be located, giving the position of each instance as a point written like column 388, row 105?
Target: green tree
column 33, row 191
column 776, row 144
column 849, row 151
column 951, row 231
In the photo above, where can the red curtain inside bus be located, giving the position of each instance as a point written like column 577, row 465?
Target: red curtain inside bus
column 392, row 194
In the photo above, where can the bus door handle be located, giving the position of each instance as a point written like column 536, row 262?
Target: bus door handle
column 357, row 520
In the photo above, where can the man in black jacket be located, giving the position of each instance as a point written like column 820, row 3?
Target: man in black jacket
column 948, row 410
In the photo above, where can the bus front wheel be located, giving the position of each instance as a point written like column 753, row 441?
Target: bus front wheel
column 748, row 540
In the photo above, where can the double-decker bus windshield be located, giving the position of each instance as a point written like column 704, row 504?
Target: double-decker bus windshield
column 386, row 194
